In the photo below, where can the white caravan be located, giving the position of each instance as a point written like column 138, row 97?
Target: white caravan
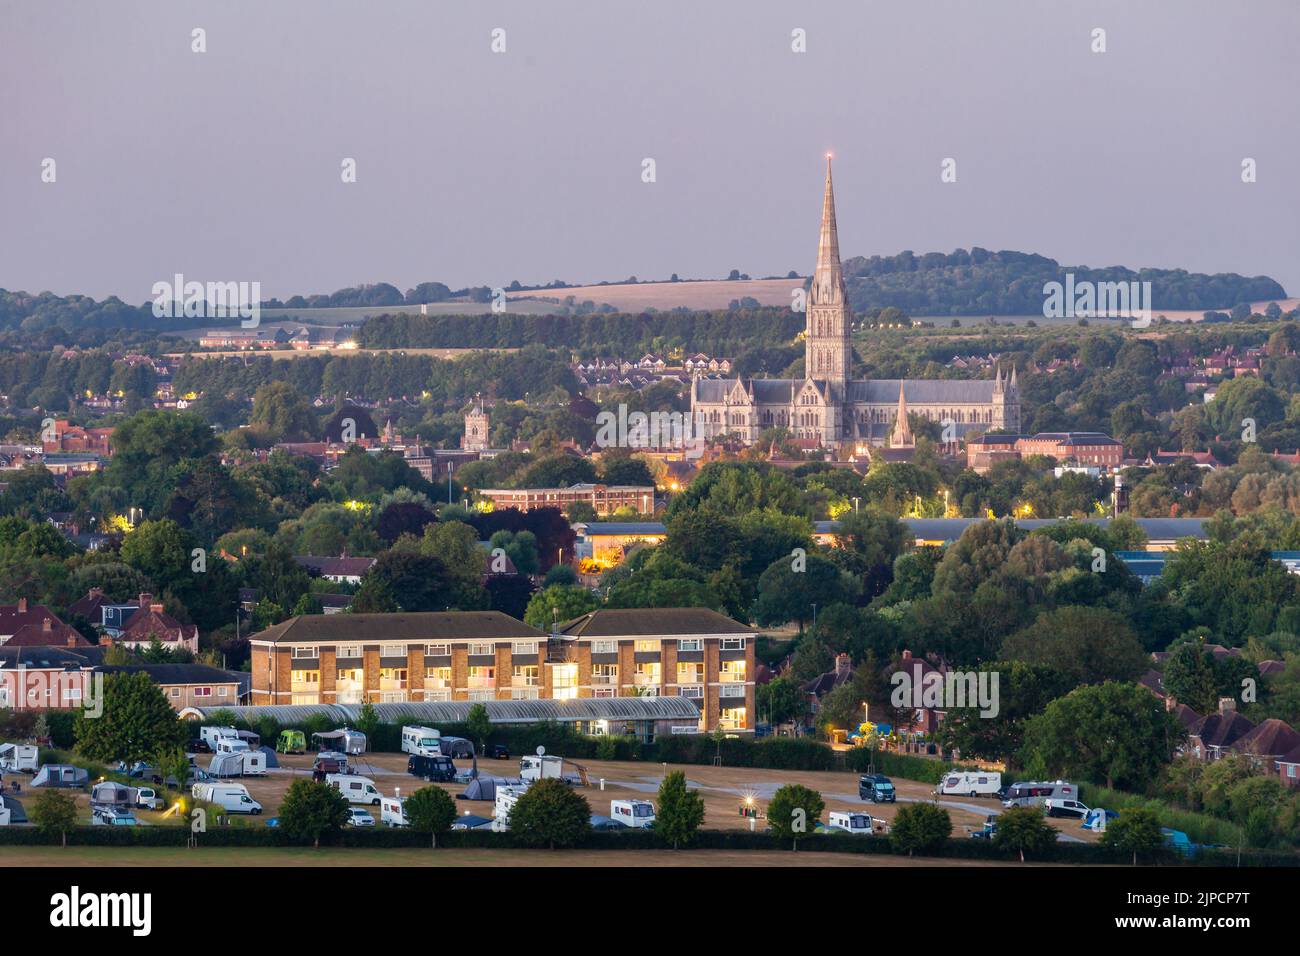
column 541, row 768
column 862, row 824
column 18, row 758
column 254, row 763
column 424, row 741
column 637, row 814
column 231, row 797
column 231, row 745
column 392, row 811
column 969, row 783
column 506, row 799
column 356, row 788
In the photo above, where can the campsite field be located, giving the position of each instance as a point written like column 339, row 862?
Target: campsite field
column 85, row 856
column 723, row 789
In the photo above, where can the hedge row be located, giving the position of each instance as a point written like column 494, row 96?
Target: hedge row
column 386, row 838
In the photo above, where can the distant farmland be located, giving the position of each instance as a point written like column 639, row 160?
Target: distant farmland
column 704, row 295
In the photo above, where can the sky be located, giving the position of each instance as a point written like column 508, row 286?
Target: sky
column 476, row 167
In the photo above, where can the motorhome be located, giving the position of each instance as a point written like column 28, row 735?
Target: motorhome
column 506, row 799
column 862, row 824
column 392, row 811
column 211, row 735
column 231, row 797
column 542, row 767
column 231, row 745
column 424, row 741
column 637, row 814
column 19, row 758
column 1037, row 793
column 431, row 768
column 969, row 783
column 356, row 788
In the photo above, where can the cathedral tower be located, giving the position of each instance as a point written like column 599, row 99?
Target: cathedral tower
column 828, row 356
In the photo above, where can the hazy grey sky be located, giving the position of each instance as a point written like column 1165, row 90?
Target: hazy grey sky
column 480, row 168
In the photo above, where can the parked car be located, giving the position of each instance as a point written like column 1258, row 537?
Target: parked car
column 358, row 817
column 599, row 822
column 1066, row 808
column 112, row 817
column 988, row 831
column 877, row 788
column 498, row 751
column 200, row 747
column 431, row 768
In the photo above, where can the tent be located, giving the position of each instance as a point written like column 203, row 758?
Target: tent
column 485, row 788
column 1097, row 818
column 110, row 794
column 344, row 739
column 272, row 761
column 226, row 765
column 471, row 822
column 16, row 812
column 60, row 775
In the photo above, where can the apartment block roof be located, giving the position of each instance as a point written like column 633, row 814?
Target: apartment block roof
column 406, row 626
column 652, row 622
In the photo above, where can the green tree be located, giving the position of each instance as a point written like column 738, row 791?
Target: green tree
column 558, row 603
column 791, row 585
column 920, row 827
column 1136, row 830
column 54, row 811
column 1024, row 828
column 550, row 813
column 1088, row 644
column 430, row 810
column 1117, row 733
column 135, row 723
column 794, row 811
column 479, row 725
column 368, row 720
column 310, row 810
column 280, row 413
column 172, row 761
column 680, row 811
column 781, row 700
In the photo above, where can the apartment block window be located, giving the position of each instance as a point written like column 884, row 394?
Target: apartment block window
column 731, row 671
column 732, row 718
column 72, row 693
column 647, row 674
column 482, row 677
column 353, row 650
column 690, row 672
column 525, row 676
column 603, row 692
column 304, row 688
column 392, row 678
column 604, row 647
column 564, row 681
column 690, row 644
column 437, row 650
column 437, row 678
column 647, row 647
column 305, row 653
column 392, row 650
column 525, row 648
column 482, row 694
column 485, row 649
column 732, row 644
column 693, row 690
column 604, row 674
column 203, row 692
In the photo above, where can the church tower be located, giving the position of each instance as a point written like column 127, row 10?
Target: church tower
column 477, row 426
column 828, row 356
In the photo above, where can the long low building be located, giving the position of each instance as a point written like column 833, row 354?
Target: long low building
column 486, row 656
column 1163, row 534
column 643, row 717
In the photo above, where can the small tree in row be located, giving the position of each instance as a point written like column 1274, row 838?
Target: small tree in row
column 430, row 810
column 551, row 814
column 794, row 811
column 680, row 811
column 310, row 810
column 920, row 826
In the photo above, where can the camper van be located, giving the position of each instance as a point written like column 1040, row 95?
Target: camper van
column 969, row 783
column 231, row 745
column 392, row 812
column 1036, row 794
column 506, row 799
column 859, row 823
column 19, row 758
column 231, row 797
column 424, row 741
column 212, row 735
column 638, row 814
column 356, row 788
column 541, row 768
column 431, row 767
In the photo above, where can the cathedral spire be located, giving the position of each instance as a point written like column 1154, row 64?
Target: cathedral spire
column 828, row 279
column 902, row 434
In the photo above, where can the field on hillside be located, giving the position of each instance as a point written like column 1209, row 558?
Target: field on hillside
column 706, row 294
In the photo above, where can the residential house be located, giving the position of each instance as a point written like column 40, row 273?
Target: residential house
column 188, row 685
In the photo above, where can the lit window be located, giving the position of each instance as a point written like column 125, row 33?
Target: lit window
column 647, row 647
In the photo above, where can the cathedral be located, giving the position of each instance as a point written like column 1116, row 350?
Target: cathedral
column 829, row 407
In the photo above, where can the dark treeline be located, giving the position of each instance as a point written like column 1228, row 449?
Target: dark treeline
column 716, row 333
column 980, row 282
